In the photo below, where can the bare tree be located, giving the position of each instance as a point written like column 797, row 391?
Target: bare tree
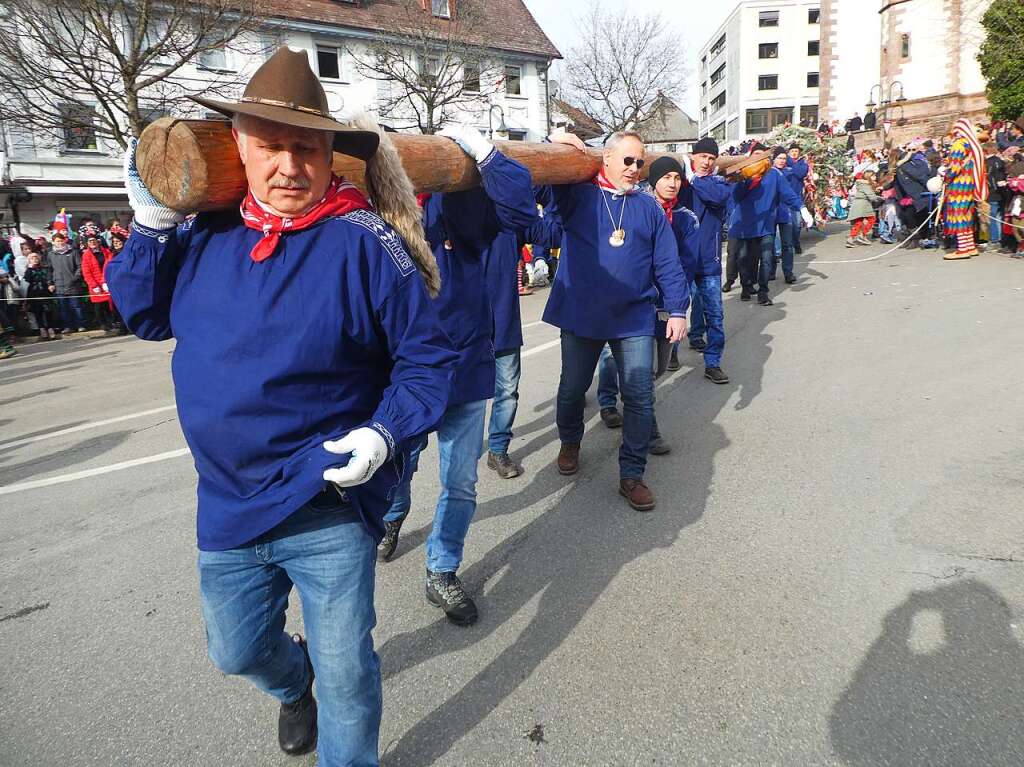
column 76, row 70
column 624, row 68
column 431, row 64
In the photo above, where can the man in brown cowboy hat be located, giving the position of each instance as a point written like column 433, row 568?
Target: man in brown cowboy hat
column 308, row 356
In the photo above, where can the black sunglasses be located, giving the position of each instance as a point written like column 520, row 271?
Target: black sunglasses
column 627, row 161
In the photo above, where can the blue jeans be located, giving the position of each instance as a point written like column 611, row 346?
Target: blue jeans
column 507, row 371
column 71, row 313
column 708, row 316
column 607, row 380
column 634, row 358
column 460, row 437
column 784, row 240
column 326, row 552
column 797, row 223
column 995, row 224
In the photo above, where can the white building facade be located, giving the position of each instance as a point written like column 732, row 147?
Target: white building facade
column 82, row 174
column 759, row 69
column 850, row 60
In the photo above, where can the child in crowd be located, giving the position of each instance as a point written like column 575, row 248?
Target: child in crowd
column 39, row 290
column 95, row 258
column 888, row 215
column 862, row 210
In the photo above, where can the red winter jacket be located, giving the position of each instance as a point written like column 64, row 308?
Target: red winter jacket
column 95, row 276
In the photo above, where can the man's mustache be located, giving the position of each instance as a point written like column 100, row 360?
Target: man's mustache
column 282, row 182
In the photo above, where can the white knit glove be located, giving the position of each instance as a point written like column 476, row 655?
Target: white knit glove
column 368, row 451
column 807, row 217
column 688, row 168
column 148, row 211
column 469, row 140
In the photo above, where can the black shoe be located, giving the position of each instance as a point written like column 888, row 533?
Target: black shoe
column 445, row 590
column 296, row 723
column 716, row 375
column 659, row 446
column 764, row 300
column 673, row 361
column 799, row 250
column 699, row 345
column 790, row 279
column 611, row 417
column 745, row 295
column 726, row 287
column 389, row 543
column 505, row 466
column 772, row 278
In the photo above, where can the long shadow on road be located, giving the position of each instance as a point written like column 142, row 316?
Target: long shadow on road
column 572, row 552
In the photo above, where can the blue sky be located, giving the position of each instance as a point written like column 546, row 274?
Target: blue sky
column 695, row 20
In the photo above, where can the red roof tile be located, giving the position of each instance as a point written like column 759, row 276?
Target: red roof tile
column 508, row 25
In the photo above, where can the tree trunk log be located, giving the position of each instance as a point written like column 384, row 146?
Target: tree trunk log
column 193, row 165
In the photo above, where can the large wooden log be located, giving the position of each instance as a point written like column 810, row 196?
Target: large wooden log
column 193, row 165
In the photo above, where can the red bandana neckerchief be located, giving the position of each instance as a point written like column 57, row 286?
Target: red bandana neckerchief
column 667, row 206
column 342, row 197
column 603, row 183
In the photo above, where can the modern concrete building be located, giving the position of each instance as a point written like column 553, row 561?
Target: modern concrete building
column 760, row 68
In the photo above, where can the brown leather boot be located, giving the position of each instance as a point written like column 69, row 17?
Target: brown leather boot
column 637, row 493
column 569, row 458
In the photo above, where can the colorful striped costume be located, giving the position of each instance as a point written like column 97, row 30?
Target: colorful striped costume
column 966, row 184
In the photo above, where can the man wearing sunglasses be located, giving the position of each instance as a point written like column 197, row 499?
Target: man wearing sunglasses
column 621, row 256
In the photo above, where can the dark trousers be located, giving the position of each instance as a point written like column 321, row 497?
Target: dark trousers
column 43, row 313
column 756, row 259
column 732, row 260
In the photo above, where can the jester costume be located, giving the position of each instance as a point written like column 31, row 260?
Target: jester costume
column 966, row 185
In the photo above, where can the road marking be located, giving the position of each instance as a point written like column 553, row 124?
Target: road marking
column 84, row 427
column 534, row 350
column 85, row 474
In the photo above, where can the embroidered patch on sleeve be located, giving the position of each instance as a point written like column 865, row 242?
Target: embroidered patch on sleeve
column 388, row 238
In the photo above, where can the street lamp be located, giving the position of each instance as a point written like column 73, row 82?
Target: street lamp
column 502, row 128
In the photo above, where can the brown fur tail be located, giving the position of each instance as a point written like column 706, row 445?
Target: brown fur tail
column 394, row 199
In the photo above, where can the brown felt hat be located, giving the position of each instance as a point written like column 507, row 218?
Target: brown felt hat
column 285, row 90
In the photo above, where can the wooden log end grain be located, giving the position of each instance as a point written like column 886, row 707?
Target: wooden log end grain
column 191, row 165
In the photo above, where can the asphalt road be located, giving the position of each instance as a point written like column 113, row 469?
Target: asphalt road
column 833, row 575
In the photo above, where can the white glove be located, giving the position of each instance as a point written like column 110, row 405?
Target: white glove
column 105, row 288
column 97, row 290
column 469, row 140
column 368, row 451
column 807, row 217
column 148, row 211
column 688, row 169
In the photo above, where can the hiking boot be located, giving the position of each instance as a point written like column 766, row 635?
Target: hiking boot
column 698, row 345
column 445, row 590
column 763, row 300
column 611, row 417
column 569, row 459
column 791, row 279
column 503, row 465
column 716, row 375
column 726, row 287
column 673, row 361
column 389, row 543
column 637, row 494
column 659, row 446
column 296, row 722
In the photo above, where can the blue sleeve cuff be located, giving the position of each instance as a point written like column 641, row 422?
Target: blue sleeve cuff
column 389, row 438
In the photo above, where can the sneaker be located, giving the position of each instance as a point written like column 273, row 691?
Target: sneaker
column 726, row 287
column 65, row 331
column 745, row 295
column 43, row 336
column 637, row 494
column 851, row 243
column 296, row 722
column 611, row 417
column 659, row 446
column 764, row 300
column 389, row 543
column 10, row 351
column 81, row 330
column 716, row 375
column 791, row 279
column 445, row 590
column 569, row 459
column 699, row 345
column 862, row 240
column 503, row 465
column 673, row 361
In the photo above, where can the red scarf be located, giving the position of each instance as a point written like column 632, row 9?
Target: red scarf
column 667, row 206
column 342, row 197
column 603, row 183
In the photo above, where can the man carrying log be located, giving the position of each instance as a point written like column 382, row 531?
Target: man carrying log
column 308, row 353
column 621, row 255
column 461, row 227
